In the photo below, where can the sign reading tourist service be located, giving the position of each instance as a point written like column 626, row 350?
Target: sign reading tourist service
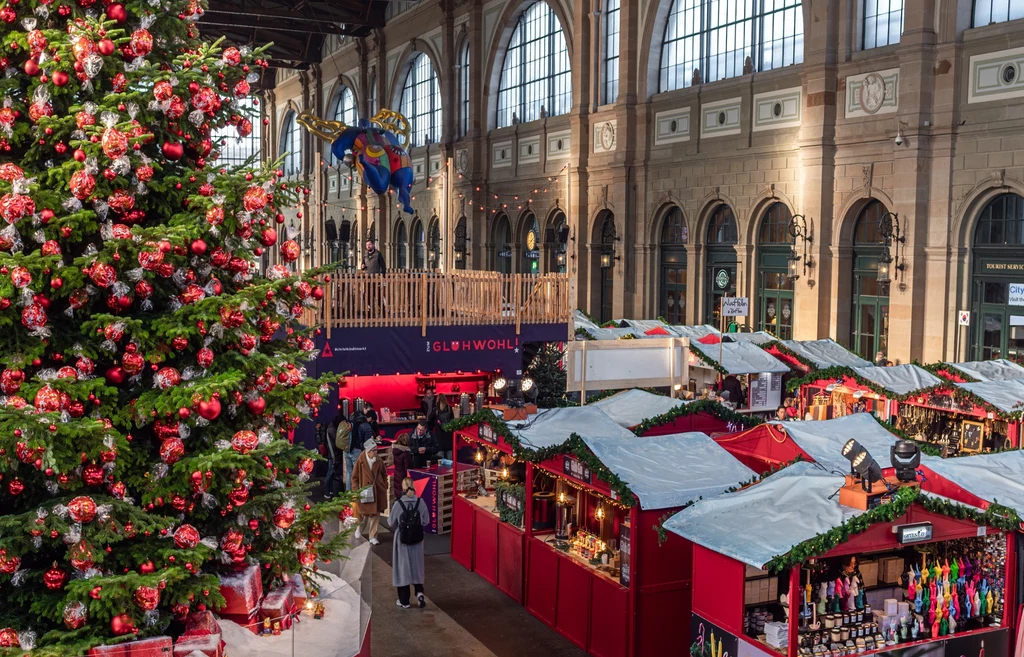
column 735, row 306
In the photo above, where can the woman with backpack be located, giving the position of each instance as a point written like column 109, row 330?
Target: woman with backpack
column 408, row 516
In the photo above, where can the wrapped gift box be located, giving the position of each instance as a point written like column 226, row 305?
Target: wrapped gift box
column 250, row 622
column 157, row 646
column 208, row 644
column 120, row 650
column 278, row 606
column 242, row 591
column 202, row 622
column 298, row 590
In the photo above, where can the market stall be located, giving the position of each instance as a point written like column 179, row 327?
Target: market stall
column 648, row 414
column 965, row 418
column 999, row 369
column 839, row 391
column 578, row 541
column 759, row 372
column 784, row 568
column 808, row 355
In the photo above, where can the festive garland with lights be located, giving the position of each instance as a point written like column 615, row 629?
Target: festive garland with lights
column 777, row 344
column 996, row 515
column 506, row 514
column 701, row 406
column 938, row 368
column 709, row 361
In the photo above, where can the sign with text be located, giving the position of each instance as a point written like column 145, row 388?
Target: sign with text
column 735, row 306
column 1016, row 297
column 573, row 468
column 487, row 433
column 920, row 532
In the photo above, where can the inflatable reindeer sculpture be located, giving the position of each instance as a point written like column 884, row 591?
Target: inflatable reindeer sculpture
column 377, row 148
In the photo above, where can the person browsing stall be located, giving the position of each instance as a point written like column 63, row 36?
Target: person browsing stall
column 423, row 445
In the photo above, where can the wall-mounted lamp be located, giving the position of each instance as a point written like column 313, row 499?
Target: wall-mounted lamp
column 799, row 229
column 608, row 258
column 894, row 241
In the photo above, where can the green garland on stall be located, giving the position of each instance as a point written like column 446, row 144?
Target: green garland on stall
column 700, row 406
column 710, row 362
column 496, row 423
column 996, row 515
column 789, row 352
column 578, row 449
column 505, row 514
column 938, row 368
column 628, row 336
column 582, row 332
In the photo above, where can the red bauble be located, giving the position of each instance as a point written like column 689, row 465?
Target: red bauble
column 60, row 78
column 115, row 376
column 198, row 247
column 54, row 578
column 268, row 237
column 290, row 251
column 205, row 357
column 306, row 466
column 8, row 638
column 254, row 199
column 186, row 537
column 147, row 597
column 82, row 184
column 141, row 42
column 317, row 293
column 173, row 150
column 316, row 533
column 308, row 556
column 147, row 568
column 8, row 564
column 80, row 557
column 16, row 487
column 171, row 450
column 114, row 143
column 82, row 509
column 257, row 406
column 122, row 624
column 167, row 377
column 106, row 46
column 75, row 615
column 209, row 410
column 92, row 475
column 284, row 516
column 117, row 13
column 244, row 442
column 133, row 363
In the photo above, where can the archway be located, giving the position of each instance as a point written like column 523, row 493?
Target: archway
column 774, row 285
column 606, row 262
column 672, row 267
column 419, row 245
column 434, row 244
column 401, row 246
column 997, row 282
column 556, row 240
column 501, row 244
column 721, row 263
column 461, row 241
column 869, row 323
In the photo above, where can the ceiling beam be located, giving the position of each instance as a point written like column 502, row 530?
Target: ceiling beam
column 279, row 26
column 325, row 13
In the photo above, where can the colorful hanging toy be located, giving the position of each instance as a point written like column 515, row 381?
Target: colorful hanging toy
column 377, row 148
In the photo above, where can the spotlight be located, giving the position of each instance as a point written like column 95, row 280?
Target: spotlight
column 905, row 456
column 500, row 384
column 868, row 469
column 851, row 450
column 526, row 385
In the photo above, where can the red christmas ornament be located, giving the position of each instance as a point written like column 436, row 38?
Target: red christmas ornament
column 173, row 150
column 186, row 537
column 54, row 578
column 257, row 406
column 47, row 400
column 290, row 251
column 147, row 568
column 171, row 450
column 308, row 556
column 239, row 495
column 210, row 409
column 147, row 597
column 102, row 274
column 284, row 516
column 141, row 42
column 122, row 624
column 268, row 237
column 167, row 377
column 254, row 199
column 82, row 184
column 75, row 615
column 11, row 380
column 8, row 564
column 80, row 557
column 92, row 475
column 245, row 441
column 15, row 206
column 115, row 376
column 60, row 78
column 316, row 533
column 82, row 509
column 114, row 143
column 117, row 12
column 9, row 638
column 215, row 215
column 33, row 317
column 198, row 247
column 205, row 357
column 306, row 465
column 133, row 363
column 106, row 47
column 16, row 487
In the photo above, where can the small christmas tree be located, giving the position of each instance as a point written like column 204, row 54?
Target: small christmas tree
column 151, row 372
column 548, row 375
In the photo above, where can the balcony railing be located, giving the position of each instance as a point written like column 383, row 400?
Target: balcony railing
column 415, row 298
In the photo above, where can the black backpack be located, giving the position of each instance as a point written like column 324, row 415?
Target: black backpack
column 410, row 531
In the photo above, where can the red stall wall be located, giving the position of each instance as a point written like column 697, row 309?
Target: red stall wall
column 664, row 588
column 718, row 583
column 705, row 422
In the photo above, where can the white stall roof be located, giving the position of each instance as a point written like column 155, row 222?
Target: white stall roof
column 900, row 379
column 999, row 369
column 825, row 353
column 757, row 337
column 823, row 440
column 768, row 519
column 555, row 426
column 582, row 321
column 1007, row 396
column 631, row 407
column 693, row 332
column 642, row 325
column 995, row 477
column 672, row 470
column 612, row 333
column 741, row 357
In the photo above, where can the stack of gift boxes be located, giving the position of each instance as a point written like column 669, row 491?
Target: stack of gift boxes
column 202, row 635
column 157, row 646
column 246, row 605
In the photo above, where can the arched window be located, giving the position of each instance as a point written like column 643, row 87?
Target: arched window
column 464, row 90
column 774, row 283
column 721, row 263
column 344, row 110
column 235, row 149
column 502, row 246
column 870, row 321
column 717, row 37
column 530, row 245
column 674, row 236
column 611, row 51
column 402, row 247
column 883, row 23
column 460, row 252
column 419, row 245
column 291, row 145
column 434, row 245
column 987, row 12
column 421, row 101
column 535, row 76
column 557, row 237
column 372, row 95
column 998, row 257
column 606, row 260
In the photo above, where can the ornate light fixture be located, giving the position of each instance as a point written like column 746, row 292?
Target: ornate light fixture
column 799, row 230
column 889, row 227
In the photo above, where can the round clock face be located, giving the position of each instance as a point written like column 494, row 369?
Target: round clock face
column 872, row 93
column 607, row 136
column 531, row 241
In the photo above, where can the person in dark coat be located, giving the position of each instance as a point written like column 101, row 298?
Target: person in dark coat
column 371, row 417
column 371, row 480
column 428, row 407
column 361, row 432
column 734, row 388
column 444, row 437
column 407, row 568
column 373, row 261
column 403, row 463
column 423, row 445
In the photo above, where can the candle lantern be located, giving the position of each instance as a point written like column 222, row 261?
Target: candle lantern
column 563, row 518
column 464, row 404
column 359, row 404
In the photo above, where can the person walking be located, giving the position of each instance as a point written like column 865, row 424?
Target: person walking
column 373, row 261
column 423, row 445
column 371, row 417
column 361, row 432
column 403, row 462
column 371, row 480
column 408, row 516
column 337, row 448
column 444, row 437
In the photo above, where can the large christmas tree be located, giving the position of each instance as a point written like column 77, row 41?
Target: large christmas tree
column 151, row 371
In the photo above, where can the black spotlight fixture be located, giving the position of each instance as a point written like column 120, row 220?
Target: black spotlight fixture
column 869, row 470
column 852, row 450
column 905, row 456
column 529, row 388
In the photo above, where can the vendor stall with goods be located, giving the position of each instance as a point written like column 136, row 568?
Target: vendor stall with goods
column 788, row 567
column 805, row 356
column 752, row 376
column 841, row 390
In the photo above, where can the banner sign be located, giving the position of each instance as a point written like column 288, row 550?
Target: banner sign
column 917, row 533
column 573, row 468
column 405, row 350
column 428, row 489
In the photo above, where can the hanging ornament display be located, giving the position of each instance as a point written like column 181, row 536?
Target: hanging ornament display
column 54, row 578
column 82, row 509
column 186, row 537
column 75, row 615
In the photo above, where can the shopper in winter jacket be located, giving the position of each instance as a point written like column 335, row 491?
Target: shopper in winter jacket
column 423, row 445
column 361, row 432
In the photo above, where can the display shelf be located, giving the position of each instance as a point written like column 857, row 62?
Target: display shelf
column 549, row 541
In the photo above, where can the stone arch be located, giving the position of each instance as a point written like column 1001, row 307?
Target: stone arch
column 397, row 83
column 966, row 216
column 495, row 56
column 851, row 210
column 664, row 205
column 708, row 206
column 760, row 205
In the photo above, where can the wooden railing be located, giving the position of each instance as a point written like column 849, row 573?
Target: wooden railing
column 416, row 298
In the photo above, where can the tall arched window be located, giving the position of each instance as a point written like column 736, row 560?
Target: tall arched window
column 464, row 90
column 402, row 247
column 606, row 261
column 996, row 292
column 611, row 51
column 557, row 237
column 717, row 37
column 434, row 244
column 674, row 236
column 371, row 96
column 774, row 284
column 721, row 264
column 535, row 76
column 883, row 23
column 870, row 322
column 419, row 245
column 291, row 145
column 421, row 101
column 235, row 149
column 502, row 244
column 344, row 110
column 987, row 12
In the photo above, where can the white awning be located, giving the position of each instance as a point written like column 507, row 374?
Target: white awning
column 1007, row 396
column 823, row 440
column 631, row 407
column 555, row 426
column 825, row 353
column 741, row 357
column 997, row 477
column 757, row 337
column 900, row 379
column 999, row 369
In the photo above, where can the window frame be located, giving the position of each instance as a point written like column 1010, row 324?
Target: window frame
column 610, row 62
column 720, row 217
column 336, row 105
column 521, row 62
column 464, row 89
column 417, row 90
column 250, row 147
column 291, row 145
column 1010, row 5
column 864, row 18
column 372, row 95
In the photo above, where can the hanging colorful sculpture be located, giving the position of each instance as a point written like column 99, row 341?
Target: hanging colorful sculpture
column 377, row 149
